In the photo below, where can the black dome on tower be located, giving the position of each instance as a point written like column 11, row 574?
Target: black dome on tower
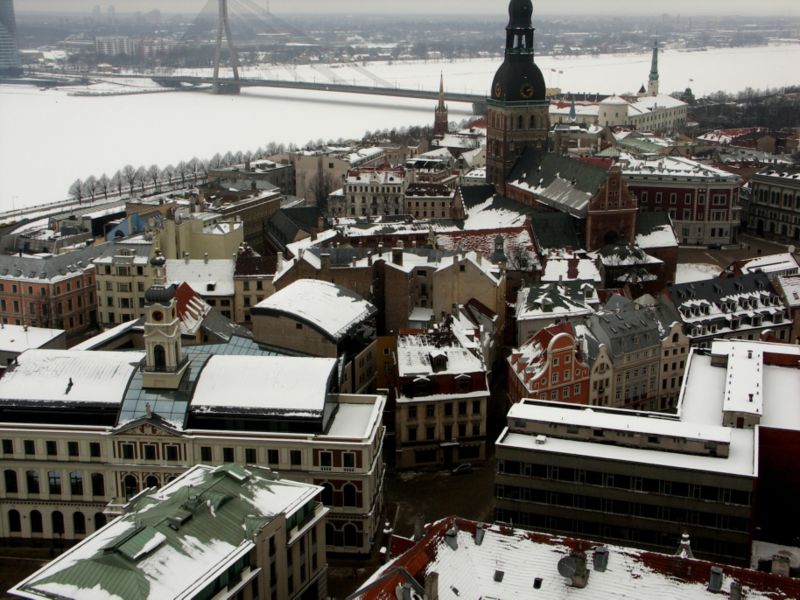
column 519, row 79
column 520, row 13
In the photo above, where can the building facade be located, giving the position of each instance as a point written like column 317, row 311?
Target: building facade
column 371, row 191
column 441, row 400
column 775, row 204
column 550, row 366
column 250, row 532
column 9, row 49
column 122, row 280
column 702, row 201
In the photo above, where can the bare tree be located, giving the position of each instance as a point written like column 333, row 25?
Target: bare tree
column 90, row 187
column 104, row 185
column 76, row 190
column 216, row 161
column 167, row 174
column 154, row 176
column 237, row 157
column 182, row 170
column 118, row 182
column 141, row 178
column 228, row 159
column 129, row 177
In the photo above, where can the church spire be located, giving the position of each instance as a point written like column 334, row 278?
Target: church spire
column 652, row 86
column 441, row 120
column 573, row 113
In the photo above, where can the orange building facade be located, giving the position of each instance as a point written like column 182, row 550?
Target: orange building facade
column 550, row 366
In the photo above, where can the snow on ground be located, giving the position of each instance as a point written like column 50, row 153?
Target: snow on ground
column 690, row 272
column 90, row 136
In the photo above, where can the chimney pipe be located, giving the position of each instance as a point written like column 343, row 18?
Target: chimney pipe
column 432, row 586
column 205, row 257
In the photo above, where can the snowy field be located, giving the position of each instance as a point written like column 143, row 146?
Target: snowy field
column 691, row 272
column 48, row 139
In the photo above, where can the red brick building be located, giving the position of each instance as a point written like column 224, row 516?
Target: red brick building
column 550, row 366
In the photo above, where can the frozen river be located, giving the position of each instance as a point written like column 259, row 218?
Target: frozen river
column 48, row 139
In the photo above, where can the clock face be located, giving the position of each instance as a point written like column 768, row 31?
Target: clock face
column 158, row 315
column 498, row 90
column 526, row 91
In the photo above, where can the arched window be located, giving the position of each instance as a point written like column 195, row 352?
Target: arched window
column 76, row 484
column 14, row 521
column 98, row 485
column 327, row 494
column 674, row 338
column 330, row 535
column 131, row 486
column 36, row 521
column 11, row 481
column 349, row 494
column 533, row 121
column 159, row 357
column 99, row 521
column 57, row 518
column 151, row 481
column 32, row 480
column 78, row 523
column 351, row 536
column 520, row 122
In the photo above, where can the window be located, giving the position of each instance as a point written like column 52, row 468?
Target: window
column 150, row 452
column 412, row 434
column 349, row 459
column 412, row 413
column 98, row 484
column 250, row 456
column 205, row 453
column 172, row 452
column 8, row 446
column 78, row 523
column 32, row 482
column 476, row 407
column 227, row 455
column 326, row 459
column 30, row 447
column 54, row 482
column 430, row 410
column 36, row 521
column 94, row 449
column 272, row 457
column 10, row 478
column 462, row 430
column 127, row 451
column 349, row 495
column 430, row 433
column 295, row 458
column 448, row 409
column 51, row 447
column 76, row 484
column 14, row 521
column 462, row 408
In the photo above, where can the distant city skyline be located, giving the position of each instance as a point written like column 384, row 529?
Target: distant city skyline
column 450, row 7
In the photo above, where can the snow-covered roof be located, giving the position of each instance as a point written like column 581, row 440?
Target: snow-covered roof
column 556, row 300
column 414, row 352
column 379, row 176
column 212, row 278
column 101, row 339
column 62, row 377
column 691, row 272
column 783, row 264
column 791, row 290
column 273, row 385
column 650, row 103
column 355, row 419
column 19, row 338
column 331, row 308
column 571, row 269
column 474, row 560
column 155, row 551
column 672, row 168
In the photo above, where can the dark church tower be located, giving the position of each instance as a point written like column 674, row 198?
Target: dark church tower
column 518, row 112
column 440, row 124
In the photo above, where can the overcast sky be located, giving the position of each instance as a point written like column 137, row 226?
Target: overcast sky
column 483, row 7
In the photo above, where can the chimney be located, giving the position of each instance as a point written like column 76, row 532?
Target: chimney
column 397, row 255
column 685, row 549
column 479, row 257
column 205, row 257
column 325, row 261
column 715, row 579
column 419, row 528
column 281, row 260
column 600, row 559
column 186, row 257
column 780, row 564
column 572, row 268
column 736, row 591
column 432, row 586
column 480, row 533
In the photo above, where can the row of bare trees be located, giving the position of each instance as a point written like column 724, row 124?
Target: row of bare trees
column 154, row 179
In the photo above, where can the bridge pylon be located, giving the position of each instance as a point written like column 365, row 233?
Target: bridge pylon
column 225, row 86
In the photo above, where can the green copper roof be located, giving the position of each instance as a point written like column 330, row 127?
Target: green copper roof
column 654, row 65
column 178, row 541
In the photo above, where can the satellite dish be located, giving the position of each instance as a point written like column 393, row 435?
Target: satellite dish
column 567, row 567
